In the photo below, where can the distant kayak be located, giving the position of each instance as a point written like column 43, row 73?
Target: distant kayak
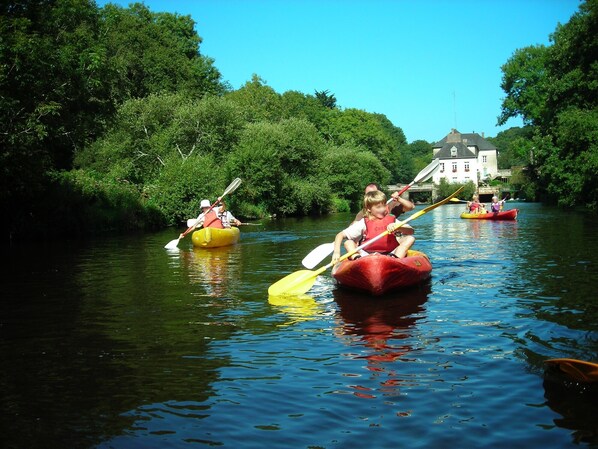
column 502, row 215
column 215, row 237
column 378, row 274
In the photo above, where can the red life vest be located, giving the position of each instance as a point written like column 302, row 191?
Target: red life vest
column 211, row 220
column 375, row 227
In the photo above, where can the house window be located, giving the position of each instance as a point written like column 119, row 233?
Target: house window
column 466, row 166
column 454, row 151
column 454, row 167
column 484, row 158
column 454, row 179
column 442, row 167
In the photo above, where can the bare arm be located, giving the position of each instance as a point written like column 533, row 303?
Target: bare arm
column 338, row 240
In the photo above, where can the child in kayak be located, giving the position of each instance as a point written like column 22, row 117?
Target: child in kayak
column 496, row 205
column 474, row 206
column 377, row 220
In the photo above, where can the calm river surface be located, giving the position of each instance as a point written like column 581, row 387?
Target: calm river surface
column 119, row 343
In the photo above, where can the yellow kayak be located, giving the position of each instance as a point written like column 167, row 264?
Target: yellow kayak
column 215, row 237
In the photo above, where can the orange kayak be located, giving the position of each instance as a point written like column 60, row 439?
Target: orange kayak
column 378, row 274
column 577, row 370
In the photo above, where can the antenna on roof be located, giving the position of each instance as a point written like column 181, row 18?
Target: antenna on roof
column 455, row 108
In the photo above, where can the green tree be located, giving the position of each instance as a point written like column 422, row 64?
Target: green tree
column 326, row 99
column 554, row 89
column 349, row 169
column 280, row 164
column 258, row 101
column 151, row 132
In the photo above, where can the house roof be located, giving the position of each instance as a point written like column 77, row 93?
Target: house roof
column 470, row 139
column 446, row 152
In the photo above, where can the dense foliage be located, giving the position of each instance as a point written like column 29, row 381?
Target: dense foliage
column 112, row 118
column 555, row 90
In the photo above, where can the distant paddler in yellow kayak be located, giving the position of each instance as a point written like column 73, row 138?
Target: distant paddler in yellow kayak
column 216, row 230
column 207, row 219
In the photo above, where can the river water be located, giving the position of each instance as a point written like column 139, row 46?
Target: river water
column 119, row 343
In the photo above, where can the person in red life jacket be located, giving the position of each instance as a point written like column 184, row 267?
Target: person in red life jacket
column 396, row 207
column 208, row 217
column 377, row 219
column 475, row 207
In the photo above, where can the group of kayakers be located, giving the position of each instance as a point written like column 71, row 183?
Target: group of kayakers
column 475, row 207
column 378, row 216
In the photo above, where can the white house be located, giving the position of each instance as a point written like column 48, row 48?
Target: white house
column 465, row 157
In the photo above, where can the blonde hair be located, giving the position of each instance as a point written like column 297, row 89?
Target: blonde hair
column 371, row 199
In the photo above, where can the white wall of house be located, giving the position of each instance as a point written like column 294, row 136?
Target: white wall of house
column 488, row 163
column 457, row 171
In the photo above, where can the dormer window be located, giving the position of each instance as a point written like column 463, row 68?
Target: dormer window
column 454, row 151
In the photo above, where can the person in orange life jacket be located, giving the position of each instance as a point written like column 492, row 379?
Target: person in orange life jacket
column 377, row 220
column 226, row 216
column 396, row 207
column 208, row 218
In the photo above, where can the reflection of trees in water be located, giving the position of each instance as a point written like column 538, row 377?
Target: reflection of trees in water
column 383, row 324
column 576, row 403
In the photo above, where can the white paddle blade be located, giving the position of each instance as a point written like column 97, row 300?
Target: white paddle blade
column 232, row 186
column 317, row 255
column 428, row 171
column 191, row 222
column 173, row 244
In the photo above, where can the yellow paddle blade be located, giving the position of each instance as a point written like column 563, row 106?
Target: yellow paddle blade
column 296, row 283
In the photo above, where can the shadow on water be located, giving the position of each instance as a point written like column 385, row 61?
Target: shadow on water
column 577, row 404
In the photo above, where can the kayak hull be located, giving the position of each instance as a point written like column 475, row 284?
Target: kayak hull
column 215, row 237
column 378, row 274
column 510, row 214
column 577, row 370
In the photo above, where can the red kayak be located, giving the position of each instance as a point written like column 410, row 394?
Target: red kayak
column 502, row 215
column 378, row 274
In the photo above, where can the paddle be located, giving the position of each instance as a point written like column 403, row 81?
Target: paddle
column 457, row 200
column 426, row 172
column 318, row 254
column 301, row 281
column 231, row 188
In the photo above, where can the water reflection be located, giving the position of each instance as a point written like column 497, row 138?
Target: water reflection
column 384, row 326
column 215, row 269
column 297, row 308
column 576, row 403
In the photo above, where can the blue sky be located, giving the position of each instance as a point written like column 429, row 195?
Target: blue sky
column 428, row 65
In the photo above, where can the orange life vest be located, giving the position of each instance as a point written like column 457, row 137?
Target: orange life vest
column 211, row 220
column 375, row 227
